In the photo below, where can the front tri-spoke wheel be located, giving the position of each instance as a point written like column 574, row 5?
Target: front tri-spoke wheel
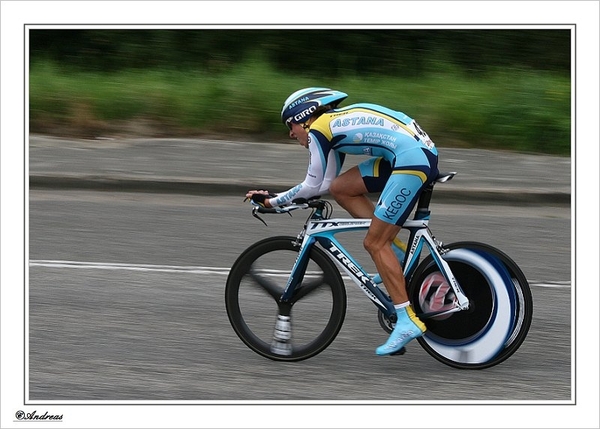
column 298, row 328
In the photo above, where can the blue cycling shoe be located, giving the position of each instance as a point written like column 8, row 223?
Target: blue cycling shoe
column 408, row 327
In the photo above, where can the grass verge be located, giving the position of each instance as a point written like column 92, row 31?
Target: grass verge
column 521, row 110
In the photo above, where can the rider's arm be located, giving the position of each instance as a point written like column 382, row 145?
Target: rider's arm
column 334, row 166
column 313, row 181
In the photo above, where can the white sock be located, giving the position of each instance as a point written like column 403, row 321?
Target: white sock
column 399, row 306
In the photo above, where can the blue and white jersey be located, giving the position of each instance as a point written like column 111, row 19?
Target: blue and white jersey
column 360, row 129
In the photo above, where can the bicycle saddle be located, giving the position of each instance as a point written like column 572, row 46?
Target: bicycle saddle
column 444, row 177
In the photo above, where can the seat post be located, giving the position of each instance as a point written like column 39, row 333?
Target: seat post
column 423, row 211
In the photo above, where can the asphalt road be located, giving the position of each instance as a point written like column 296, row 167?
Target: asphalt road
column 126, row 289
column 126, row 304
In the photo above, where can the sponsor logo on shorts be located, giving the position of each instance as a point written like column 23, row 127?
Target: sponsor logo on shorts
column 396, row 205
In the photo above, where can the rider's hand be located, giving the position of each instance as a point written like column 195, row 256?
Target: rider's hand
column 260, row 197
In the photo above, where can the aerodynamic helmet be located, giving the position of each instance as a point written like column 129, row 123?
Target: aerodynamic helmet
column 302, row 104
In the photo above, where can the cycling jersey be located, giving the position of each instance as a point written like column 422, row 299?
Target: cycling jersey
column 372, row 130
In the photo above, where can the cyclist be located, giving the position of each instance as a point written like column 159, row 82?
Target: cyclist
column 404, row 161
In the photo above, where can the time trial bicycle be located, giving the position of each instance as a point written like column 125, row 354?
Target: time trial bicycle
column 286, row 299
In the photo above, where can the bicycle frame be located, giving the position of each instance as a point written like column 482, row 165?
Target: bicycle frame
column 323, row 231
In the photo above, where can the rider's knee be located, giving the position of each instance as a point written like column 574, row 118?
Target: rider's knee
column 371, row 245
column 336, row 189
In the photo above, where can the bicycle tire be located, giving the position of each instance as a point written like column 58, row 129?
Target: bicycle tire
column 496, row 323
column 524, row 303
column 317, row 310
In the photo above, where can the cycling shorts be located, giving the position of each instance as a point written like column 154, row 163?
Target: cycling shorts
column 400, row 186
column 375, row 173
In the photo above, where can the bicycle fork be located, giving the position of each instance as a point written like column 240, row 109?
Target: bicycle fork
column 282, row 332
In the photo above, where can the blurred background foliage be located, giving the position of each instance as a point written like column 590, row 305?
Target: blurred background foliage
column 496, row 88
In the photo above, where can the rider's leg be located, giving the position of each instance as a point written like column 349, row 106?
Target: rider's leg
column 378, row 243
column 396, row 202
column 349, row 190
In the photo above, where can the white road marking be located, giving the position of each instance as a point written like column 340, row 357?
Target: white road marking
column 129, row 267
column 205, row 270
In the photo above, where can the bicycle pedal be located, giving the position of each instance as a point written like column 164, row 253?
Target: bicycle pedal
column 399, row 352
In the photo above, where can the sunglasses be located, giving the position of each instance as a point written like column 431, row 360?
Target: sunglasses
column 303, row 125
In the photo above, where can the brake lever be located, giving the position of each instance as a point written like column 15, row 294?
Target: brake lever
column 254, row 213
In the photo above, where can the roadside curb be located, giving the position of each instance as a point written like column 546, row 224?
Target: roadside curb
column 474, row 196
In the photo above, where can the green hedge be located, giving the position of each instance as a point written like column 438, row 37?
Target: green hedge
column 514, row 109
